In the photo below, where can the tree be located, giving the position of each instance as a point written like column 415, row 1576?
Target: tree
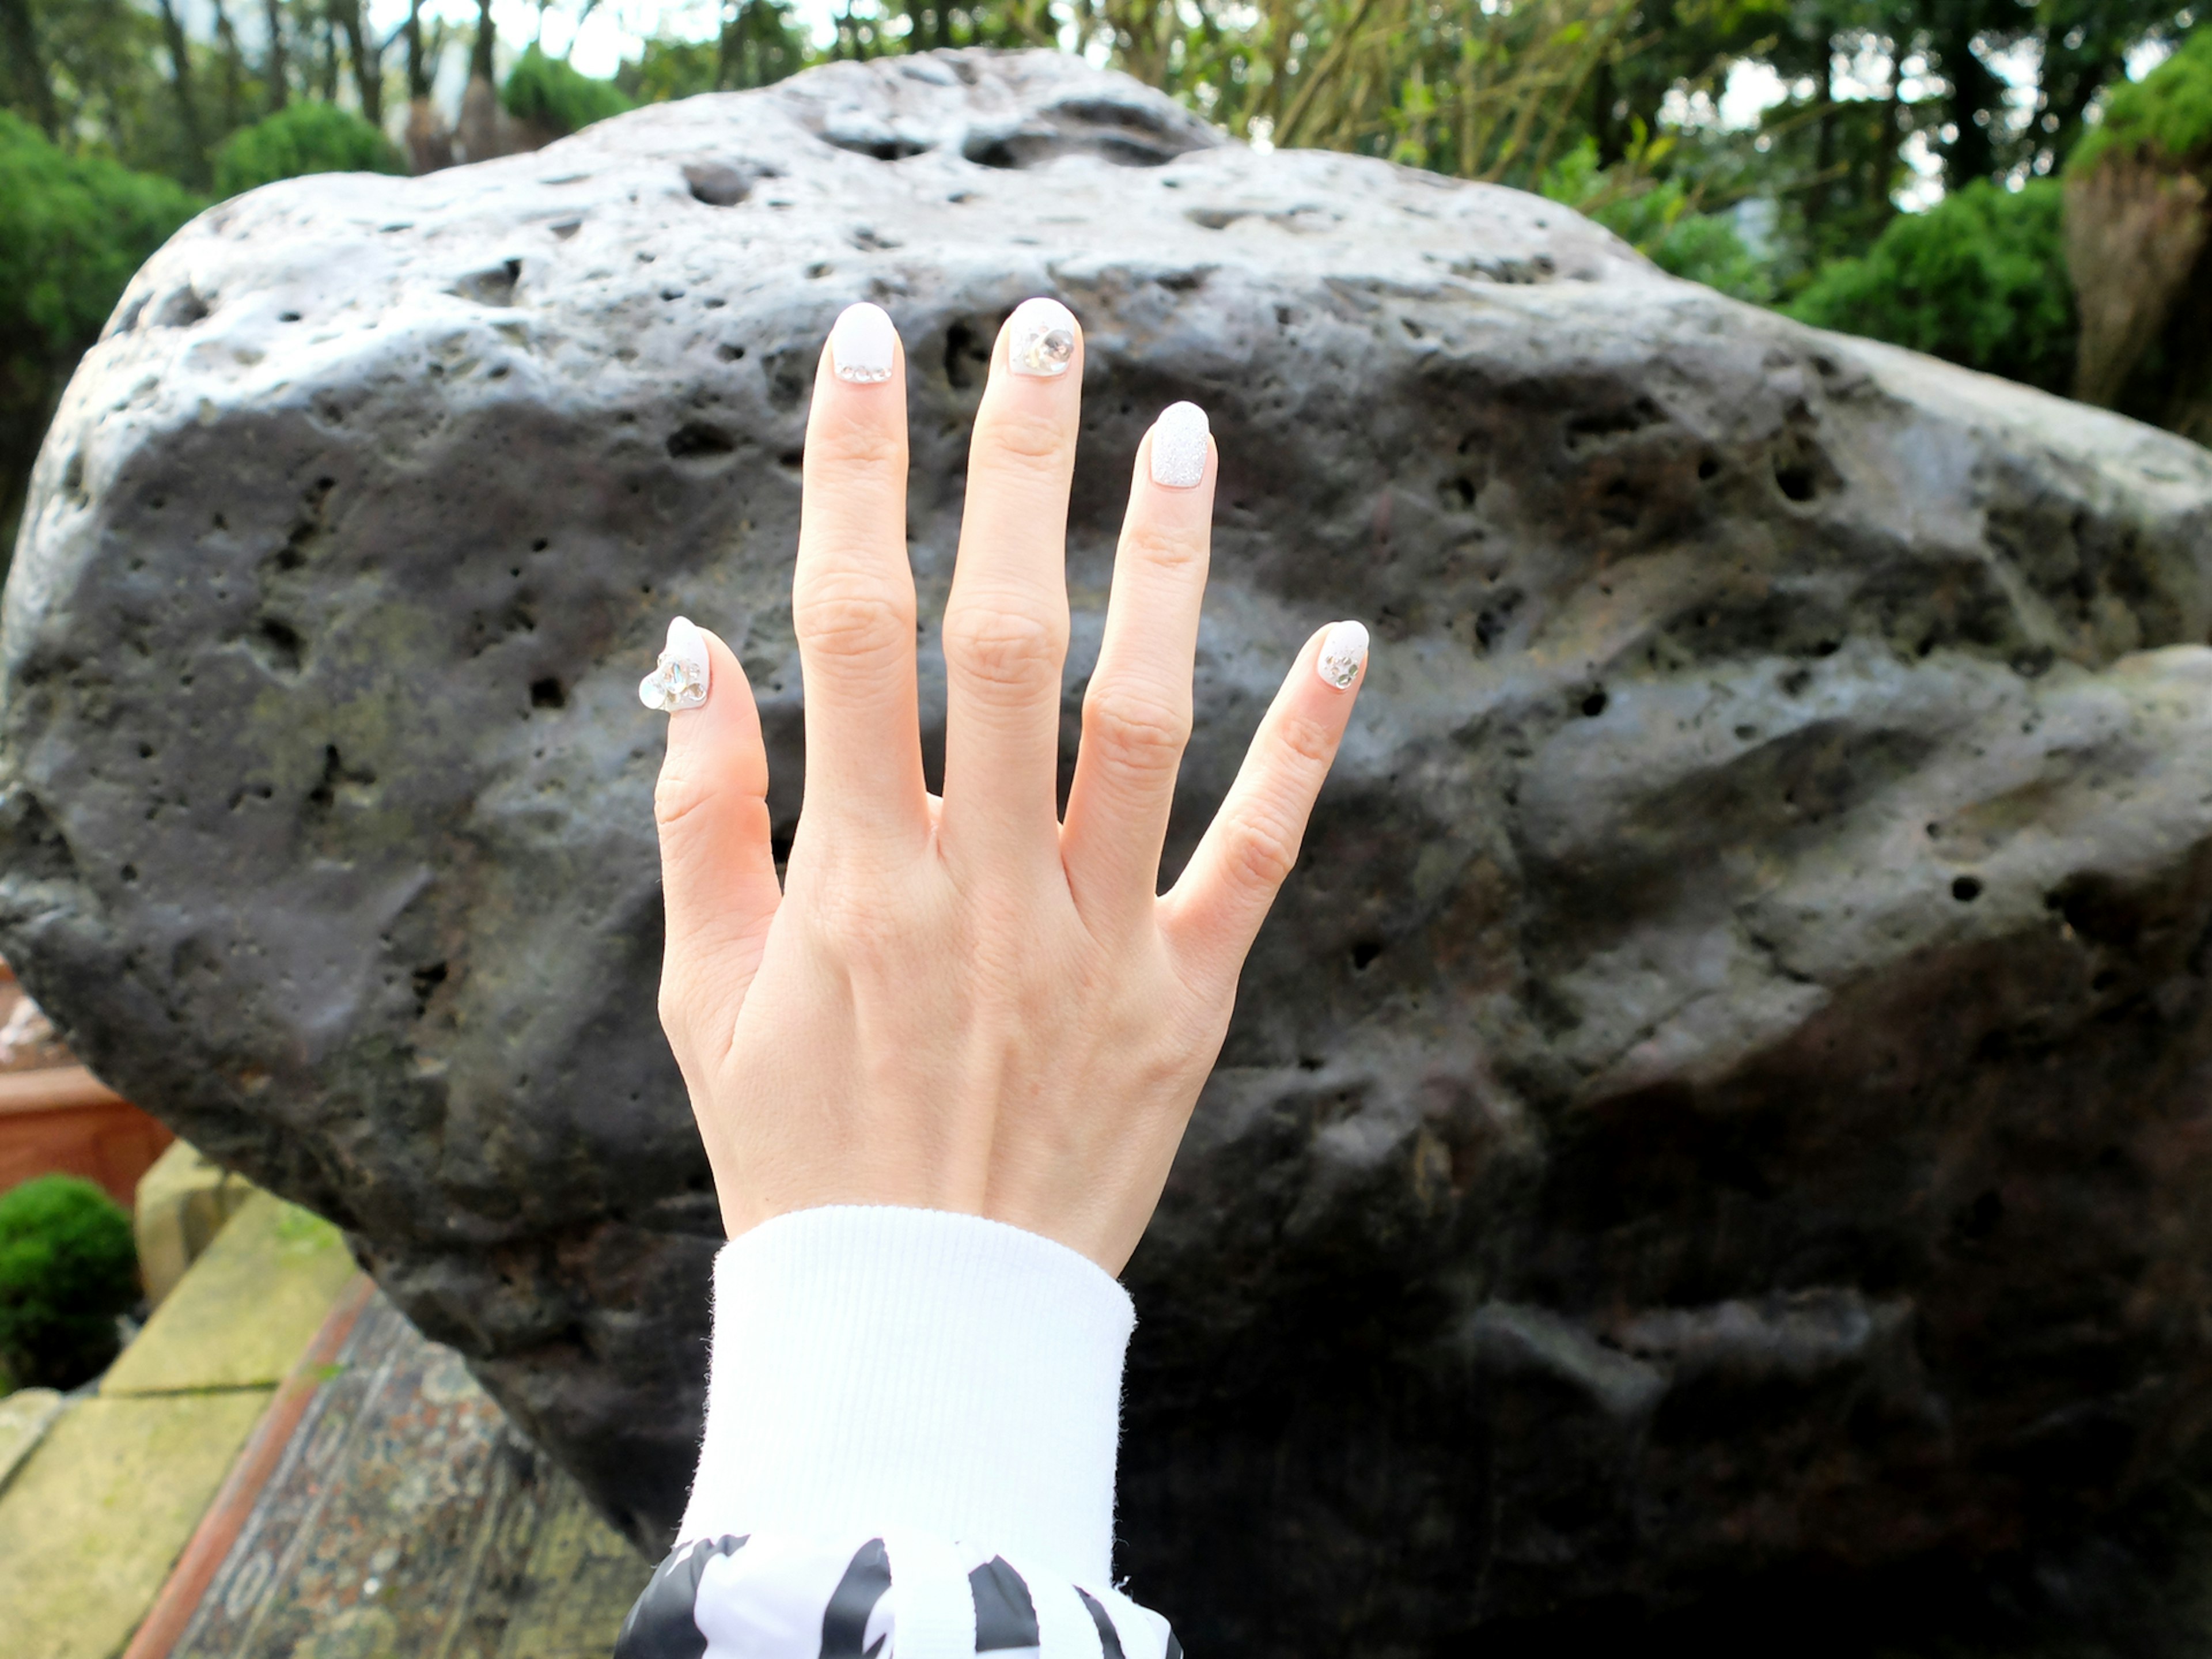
column 73, row 229
column 302, row 138
column 1979, row 279
column 556, row 99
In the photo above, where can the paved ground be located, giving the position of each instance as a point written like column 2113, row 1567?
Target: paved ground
column 279, row 1467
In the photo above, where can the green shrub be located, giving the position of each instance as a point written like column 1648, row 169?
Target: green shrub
column 1979, row 279
column 548, row 92
column 2168, row 111
column 302, row 138
column 73, row 232
column 67, row 1268
column 1655, row 218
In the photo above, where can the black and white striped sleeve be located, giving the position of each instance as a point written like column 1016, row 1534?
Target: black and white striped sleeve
column 912, row 1419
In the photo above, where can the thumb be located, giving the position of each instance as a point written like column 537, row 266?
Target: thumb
column 717, row 870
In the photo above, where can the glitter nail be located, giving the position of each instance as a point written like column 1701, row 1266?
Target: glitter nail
column 1179, row 446
column 1343, row 649
column 1042, row 342
column 681, row 680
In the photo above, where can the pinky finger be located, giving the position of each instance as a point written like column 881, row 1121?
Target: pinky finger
column 1214, row 912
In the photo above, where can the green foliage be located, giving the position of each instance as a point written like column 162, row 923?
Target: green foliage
column 67, row 1267
column 1659, row 218
column 72, row 233
column 73, row 230
column 1980, row 279
column 759, row 45
column 302, row 138
column 550, row 94
column 2168, row 113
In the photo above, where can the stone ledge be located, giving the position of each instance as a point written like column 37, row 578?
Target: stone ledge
column 246, row 1312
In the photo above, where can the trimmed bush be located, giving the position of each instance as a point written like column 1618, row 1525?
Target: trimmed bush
column 1979, row 279
column 73, row 232
column 299, row 139
column 558, row 99
column 67, row 1268
column 2167, row 114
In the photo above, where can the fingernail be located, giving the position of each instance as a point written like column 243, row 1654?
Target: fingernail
column 1179, row 445
column 1343, row 649
column 680, row 682
column 863, row 344
column 1043, row 339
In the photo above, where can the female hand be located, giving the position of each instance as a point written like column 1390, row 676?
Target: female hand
column 963, row 1003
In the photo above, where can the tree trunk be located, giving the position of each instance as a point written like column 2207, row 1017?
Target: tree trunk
column 279, row 87
column 367, row 64
column 234, row 71
column 180, row 68
column 20, row 33
column 1975, row 92
column 328, row 69
column 480, row 57
column 418, row 67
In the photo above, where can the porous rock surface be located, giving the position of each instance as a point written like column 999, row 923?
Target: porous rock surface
column 1722, row 1104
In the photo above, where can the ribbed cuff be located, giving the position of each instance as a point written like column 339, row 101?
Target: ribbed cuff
column 880, row 1369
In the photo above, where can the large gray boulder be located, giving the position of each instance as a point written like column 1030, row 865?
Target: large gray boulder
column 1724, row 1107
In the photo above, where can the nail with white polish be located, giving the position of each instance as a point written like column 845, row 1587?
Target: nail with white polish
column 681, row 681
column 1343, row 650
column 1179, row 446
column 1043, row 338
column 863, row 344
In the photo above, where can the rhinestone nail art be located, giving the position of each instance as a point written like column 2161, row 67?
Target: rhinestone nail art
column 1343, row 649
column 863, row 345
column 1042, row 343
column 681, row 680
column 1179, row 446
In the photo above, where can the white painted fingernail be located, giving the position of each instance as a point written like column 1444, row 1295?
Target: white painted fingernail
column 1179, row 445
column 681, row 681
column 1042, row 342
column 1343, row 649
column 863, row 344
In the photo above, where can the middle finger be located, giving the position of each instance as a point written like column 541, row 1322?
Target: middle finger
column 1005, row 619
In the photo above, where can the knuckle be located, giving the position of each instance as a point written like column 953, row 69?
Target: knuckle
column 1163, row 548
column 1006, row 645
column 1027, row 439
column 677, row 793
column 1140, row 731
column 1259, row 851
column 850, row 443
column 1307, row 740
column 851, row 617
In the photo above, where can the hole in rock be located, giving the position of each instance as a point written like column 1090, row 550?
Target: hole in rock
column 966, row 354
column 888, row 149
column 1980, row 1219
column 1594, row 704
column 1364, row 954
column 696, row 440
column 280, row 645
column 547, row 694
column 494, row 286
column 1966, row 889
column 427, row 982
column 182, row 309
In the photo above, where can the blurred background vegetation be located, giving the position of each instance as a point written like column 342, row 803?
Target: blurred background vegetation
column 2019, row 185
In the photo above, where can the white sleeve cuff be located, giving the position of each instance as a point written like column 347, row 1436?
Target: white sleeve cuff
column 878, row 1369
